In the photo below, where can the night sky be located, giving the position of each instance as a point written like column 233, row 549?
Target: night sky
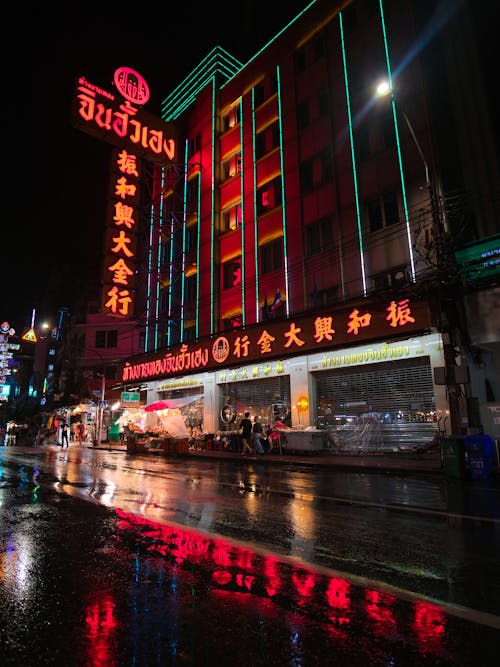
column 55, row 177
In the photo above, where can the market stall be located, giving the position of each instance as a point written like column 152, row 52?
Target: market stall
column 155, row 429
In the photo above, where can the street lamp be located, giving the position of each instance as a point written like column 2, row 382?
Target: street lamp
column 383, row 89
column 442, row 255
column 438, row 218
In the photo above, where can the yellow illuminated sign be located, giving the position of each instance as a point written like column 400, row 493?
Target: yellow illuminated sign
column 30, row 336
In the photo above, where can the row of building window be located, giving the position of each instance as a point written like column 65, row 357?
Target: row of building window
column 105, row 339
column 265, row 142
column 380, row 212
column 368, row 141
column 270, row 259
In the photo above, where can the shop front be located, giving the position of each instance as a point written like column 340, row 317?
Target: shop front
column 381, row 397
column 341, row 391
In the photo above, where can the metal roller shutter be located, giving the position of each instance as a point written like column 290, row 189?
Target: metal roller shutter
column 258, row 397
column 380, row 406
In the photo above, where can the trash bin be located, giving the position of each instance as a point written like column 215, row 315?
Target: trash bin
column 453, row 455
column 480, row 451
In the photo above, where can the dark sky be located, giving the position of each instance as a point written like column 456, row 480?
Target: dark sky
column 55, row 177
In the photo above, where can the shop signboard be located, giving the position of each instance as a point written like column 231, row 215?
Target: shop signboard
column 130, row 399
column 480, row 259
column 325, row 329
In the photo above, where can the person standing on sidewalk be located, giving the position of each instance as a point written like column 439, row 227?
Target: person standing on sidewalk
column 245, row 432
column 64, row 435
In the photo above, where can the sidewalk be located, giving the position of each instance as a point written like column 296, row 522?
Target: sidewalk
column 428, row 462
column 410, row 462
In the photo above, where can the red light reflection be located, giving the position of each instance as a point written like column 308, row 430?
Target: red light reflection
column 236, row 570
column 101, row 630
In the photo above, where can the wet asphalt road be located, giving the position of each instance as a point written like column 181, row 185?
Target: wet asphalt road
column 108, row 559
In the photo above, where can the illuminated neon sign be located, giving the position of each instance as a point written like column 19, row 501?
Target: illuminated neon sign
column 131, row 86
column 120, row 121
column 121, row 237
column 325, row 329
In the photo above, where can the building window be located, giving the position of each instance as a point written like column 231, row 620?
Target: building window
column 269, row 196
column 260, row 145
column 192, row 190
column 231, row 273
column 191, row 237
column 382, row 211
column 190, row 288
column 229, row 323
column 104, row 339
column 258, row 94
column 189, row 333
column 164, row 299
column 232, row 218
column 267, row 140
column 231, row 118
column 231, row 166
column 271, row 256
column 395, row 278
column 319, row 236
column 316, row 171
column 194, row 145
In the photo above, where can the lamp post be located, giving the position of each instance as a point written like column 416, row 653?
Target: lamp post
column 442, row 255
column 384, row 89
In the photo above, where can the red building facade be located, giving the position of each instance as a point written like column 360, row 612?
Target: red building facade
column 302, row 193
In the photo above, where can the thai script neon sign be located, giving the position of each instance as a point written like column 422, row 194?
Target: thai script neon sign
column 121, row 121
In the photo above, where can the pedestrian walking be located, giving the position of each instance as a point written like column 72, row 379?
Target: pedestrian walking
column 64, row 435
column 245, row 433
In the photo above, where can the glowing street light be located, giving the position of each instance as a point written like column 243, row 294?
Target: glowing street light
column 384, row 88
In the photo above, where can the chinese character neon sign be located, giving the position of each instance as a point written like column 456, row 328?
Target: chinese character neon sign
column 121, row 240
column 330, row 329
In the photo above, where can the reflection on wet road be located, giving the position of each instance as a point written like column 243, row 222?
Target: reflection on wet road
column 215, row 558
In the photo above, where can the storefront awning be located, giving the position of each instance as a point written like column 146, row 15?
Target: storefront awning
column 171, row 403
